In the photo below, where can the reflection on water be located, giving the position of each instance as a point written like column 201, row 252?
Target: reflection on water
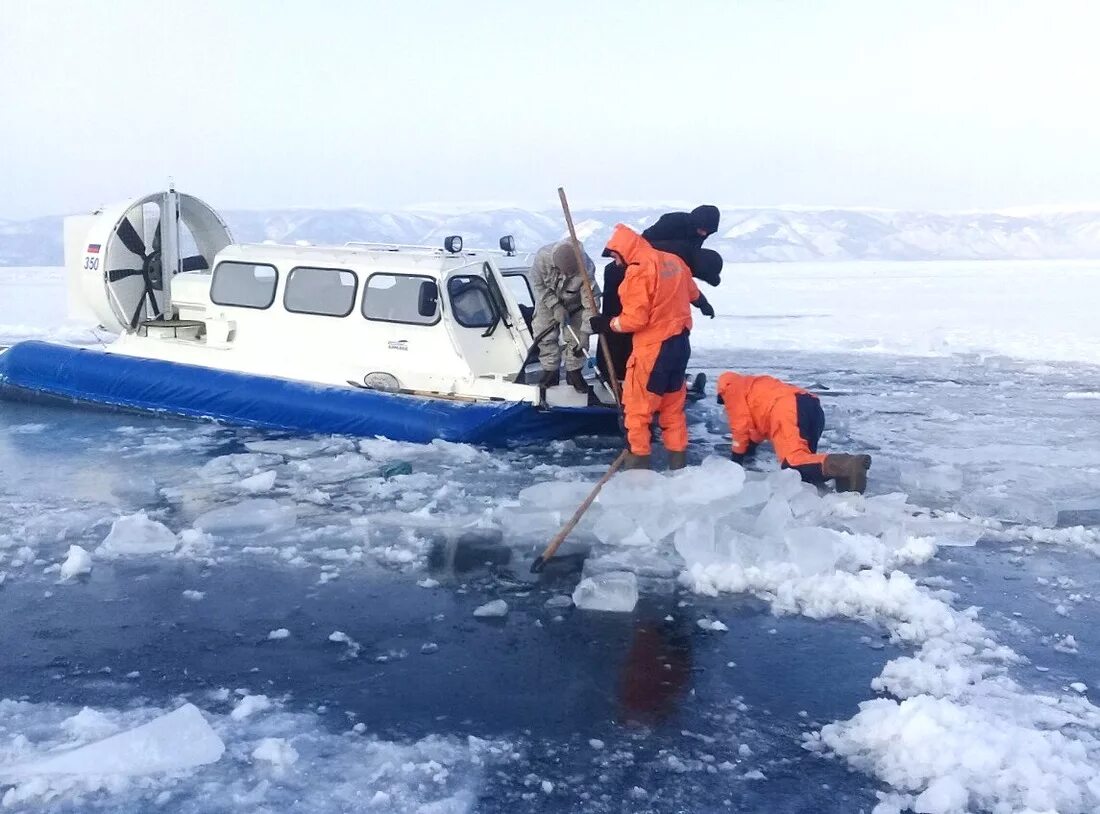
column 656, row 671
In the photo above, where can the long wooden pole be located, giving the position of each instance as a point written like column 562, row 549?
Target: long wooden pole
column 559, row 538
column 602, row 340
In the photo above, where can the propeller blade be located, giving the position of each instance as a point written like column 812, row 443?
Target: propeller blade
column 156, row 237
column 136, row 318
column 195, row 262
column 130, row 238
column 114, row 275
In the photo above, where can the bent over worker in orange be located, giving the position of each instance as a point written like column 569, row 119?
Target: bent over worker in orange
column 657, row 292
column 761, row 408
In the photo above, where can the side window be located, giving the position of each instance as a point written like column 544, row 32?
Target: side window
column 470, row 301
column 248, row 285
column 401, row 298
column 327, row 292
column 521, row 289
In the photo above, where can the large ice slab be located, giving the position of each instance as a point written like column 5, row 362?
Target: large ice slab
column 181, row 739
column 255, row 516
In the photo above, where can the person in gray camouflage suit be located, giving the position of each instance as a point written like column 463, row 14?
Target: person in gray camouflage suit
column 561, row 297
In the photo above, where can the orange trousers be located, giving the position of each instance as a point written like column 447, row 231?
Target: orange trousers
column 640, row 404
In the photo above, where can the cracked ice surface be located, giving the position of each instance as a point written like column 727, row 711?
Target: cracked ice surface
column 959, row 592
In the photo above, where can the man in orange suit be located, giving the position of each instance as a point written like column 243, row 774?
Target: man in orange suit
column 656, row 292
column 761, row 408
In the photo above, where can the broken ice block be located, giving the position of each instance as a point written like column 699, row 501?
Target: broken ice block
column 813, row 549
column 615, row 591
column 137, row 534
column 785, row 483
column 774, row 518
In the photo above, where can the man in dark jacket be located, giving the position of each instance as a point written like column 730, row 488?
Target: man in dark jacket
column 678, row 233
column 683, row 233
column 698, row 224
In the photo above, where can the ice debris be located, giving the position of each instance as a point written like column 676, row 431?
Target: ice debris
column 353, row 646
column 77, row 563
column 495, row 609
column 250, row 705
column 712, row 625
column 278, row 633
column 276, row 751
column 260, row 482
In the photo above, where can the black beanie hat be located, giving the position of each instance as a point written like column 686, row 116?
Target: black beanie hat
column 705, row 217
column 707, row 266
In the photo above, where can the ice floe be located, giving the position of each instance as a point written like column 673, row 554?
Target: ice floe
column 138, row 534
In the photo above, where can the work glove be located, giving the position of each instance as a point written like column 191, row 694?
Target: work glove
column 559, row 314
column 600, row 324
column 703, row 304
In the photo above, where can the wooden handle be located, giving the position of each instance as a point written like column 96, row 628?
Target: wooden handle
column 559, row 538
column 601, row 339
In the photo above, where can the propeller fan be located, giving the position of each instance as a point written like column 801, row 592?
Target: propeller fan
column 152, row 266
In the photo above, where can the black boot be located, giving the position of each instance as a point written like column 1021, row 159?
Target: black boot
column 677, row 460
column 576, row 379
column 636, row 461
column 550, row 378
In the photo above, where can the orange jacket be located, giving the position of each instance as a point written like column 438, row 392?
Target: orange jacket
column 754, row 405
column 657, row 291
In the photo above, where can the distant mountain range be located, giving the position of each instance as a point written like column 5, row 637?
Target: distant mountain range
column 746, row 234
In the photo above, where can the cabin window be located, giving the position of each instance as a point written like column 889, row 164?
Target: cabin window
column 326, row 292
column 521, row 289
column 405, row 298
column 470, row 301
column 247, row 285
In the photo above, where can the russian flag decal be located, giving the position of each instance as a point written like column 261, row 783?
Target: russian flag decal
column 93, row 248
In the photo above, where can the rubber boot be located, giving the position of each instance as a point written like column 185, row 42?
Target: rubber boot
column 677, row 460
column 636, row 461
column 849, row 471
column 550, row 378
column 576, row 378
column 699, row 385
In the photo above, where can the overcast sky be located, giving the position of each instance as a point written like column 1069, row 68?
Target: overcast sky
column 884, row 103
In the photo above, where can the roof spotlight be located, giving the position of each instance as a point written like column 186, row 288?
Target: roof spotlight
column 508, row 245
column 453, row 243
